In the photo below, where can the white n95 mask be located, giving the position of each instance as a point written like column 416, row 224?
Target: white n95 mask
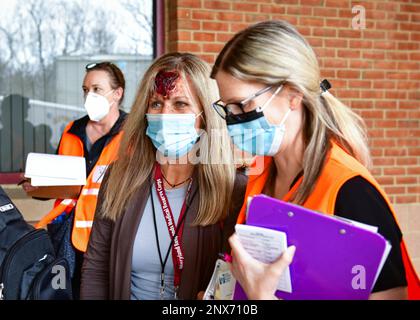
column 97, row 106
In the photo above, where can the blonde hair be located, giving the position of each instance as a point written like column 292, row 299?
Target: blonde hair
column 137, row 155
column 272, row 53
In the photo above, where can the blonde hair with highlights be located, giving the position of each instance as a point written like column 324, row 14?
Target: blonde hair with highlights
column 273, row 52
column 137, row 155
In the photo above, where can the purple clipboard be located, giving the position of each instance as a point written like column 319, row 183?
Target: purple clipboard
column 331, row 254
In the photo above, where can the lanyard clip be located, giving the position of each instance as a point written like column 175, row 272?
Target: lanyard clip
column 162, row 285
column 176, row 292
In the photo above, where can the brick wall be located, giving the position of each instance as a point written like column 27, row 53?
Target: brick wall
column 376, row 71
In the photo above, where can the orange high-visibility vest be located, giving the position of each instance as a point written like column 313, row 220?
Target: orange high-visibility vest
column 86, row 203
column 339, row 168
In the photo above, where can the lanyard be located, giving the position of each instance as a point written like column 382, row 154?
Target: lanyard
column 175, row 231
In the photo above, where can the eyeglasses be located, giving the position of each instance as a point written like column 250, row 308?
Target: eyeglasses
column 235, row 112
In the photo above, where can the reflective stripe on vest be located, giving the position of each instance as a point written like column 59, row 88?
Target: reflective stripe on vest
column 86, row 203
column 83, row 224
column 93, row 191
column 339, row 168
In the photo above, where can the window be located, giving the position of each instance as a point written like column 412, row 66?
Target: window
column 44, row 47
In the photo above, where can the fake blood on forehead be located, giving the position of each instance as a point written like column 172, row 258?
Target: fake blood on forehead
column 165, row 82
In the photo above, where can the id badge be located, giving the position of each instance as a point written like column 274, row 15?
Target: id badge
column 99, row 173
column 222, row 283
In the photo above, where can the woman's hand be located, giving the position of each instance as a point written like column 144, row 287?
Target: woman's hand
column 26, row 184
column 259, row 280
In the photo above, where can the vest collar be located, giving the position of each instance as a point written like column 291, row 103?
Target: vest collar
column 78, row 127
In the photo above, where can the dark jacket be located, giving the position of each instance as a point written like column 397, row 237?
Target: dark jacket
column 106, row 272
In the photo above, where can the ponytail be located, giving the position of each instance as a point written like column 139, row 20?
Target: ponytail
column 347, row 128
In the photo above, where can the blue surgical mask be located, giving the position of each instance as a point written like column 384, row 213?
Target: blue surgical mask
column 258, row 136
column 173, row 135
